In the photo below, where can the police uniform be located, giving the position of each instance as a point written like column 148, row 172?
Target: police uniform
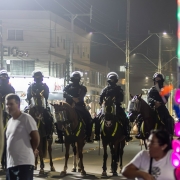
column 77, row 90
column 37, row 87
column 153, row 96
column 113, row 90
column 5, row 89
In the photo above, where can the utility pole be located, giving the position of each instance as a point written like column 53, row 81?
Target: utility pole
column 1, row 45
column 127, row 55
column 159, row 61
column 70, row 61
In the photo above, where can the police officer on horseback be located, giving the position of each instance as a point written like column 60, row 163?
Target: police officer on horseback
column 74, row 94
column 40, row 87
column 113, row 90
column 156, row 101
column 5, row 89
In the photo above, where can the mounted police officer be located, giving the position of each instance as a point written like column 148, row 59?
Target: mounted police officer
column 5, row 89
column 74, row 94
column 113, row 90
column 39, row 86
column 156, row 101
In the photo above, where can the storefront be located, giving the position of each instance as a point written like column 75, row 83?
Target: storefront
column 21, row 85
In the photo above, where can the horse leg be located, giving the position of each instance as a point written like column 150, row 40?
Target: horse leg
column 121, row 152
column 80, row 149
column 105, row 156
column 50, row 154
column 63, row 173
column 114, row 157
column 74, row 158
column 41, row 162
column 36, row 162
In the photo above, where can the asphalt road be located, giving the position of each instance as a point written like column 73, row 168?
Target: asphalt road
column 92, row 163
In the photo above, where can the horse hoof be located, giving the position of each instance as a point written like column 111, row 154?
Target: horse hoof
column 79, row 170
column 35, row 167
column 73, row 170
column 115, row 174
column 52, row 168
column 83, row 173
column 63, row 173
column 41, row 171
column 104, row 174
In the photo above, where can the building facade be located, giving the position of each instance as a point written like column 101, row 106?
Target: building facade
column 40, row 40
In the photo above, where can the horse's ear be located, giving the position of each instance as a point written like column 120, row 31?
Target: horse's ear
column 131, row 96
column 140, row 95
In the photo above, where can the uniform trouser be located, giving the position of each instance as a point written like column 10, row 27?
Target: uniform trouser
column 163, row 114
column 86, row 118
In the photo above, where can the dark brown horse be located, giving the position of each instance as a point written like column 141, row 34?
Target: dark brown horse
column 112, row 135
column 151, row 120
column 73, row 126
column 42, row 117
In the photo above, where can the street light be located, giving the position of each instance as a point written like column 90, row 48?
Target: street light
column 175, row 57
column 127, row 53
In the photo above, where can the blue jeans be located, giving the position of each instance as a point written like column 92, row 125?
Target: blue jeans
column 22, row 172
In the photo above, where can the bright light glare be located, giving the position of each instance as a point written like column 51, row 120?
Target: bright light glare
column 175, row 159
column 90, row 33
column 164, row 33
column 147, row 78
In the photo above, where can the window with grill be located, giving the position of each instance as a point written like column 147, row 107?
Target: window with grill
column 22, row 67
column 15, row 35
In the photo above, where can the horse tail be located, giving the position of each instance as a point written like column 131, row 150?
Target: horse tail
column 1, row 131
column 44, row 147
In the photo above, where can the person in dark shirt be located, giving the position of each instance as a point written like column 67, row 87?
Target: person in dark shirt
column 113, row 90
column 156, row 101
column 74, row 94
column 5, row 89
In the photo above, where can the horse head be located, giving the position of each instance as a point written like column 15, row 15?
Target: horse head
column 38, row 97
column 109, row 110
column 134, row 107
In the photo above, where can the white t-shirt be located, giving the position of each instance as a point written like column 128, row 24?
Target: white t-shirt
column 161, row 169
column 19, row 149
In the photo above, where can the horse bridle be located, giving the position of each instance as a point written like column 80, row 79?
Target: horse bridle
column 135, row 105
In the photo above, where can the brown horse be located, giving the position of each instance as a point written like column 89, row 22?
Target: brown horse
column 73, row 126
column 112, row 135
column 42, row 118
column 150, row 118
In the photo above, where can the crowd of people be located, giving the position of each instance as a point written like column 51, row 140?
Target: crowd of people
column 22, row 137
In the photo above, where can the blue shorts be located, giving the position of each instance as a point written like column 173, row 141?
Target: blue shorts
column 22, row 172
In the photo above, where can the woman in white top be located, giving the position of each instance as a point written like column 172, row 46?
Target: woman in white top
column 155, row 163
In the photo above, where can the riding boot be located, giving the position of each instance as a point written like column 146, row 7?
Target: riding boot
column 127, row 131
column 97, row 129
column 88, row 132
column 59, row 140
column 138, row 136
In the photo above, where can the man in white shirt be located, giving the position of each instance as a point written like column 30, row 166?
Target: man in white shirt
column 22, row 141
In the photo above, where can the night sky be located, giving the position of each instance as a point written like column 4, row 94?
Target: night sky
column 109, row 17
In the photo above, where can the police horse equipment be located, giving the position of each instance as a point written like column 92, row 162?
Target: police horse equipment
column 38, row 112
column 112, row 135
column 73, row 126
column 151, row 120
